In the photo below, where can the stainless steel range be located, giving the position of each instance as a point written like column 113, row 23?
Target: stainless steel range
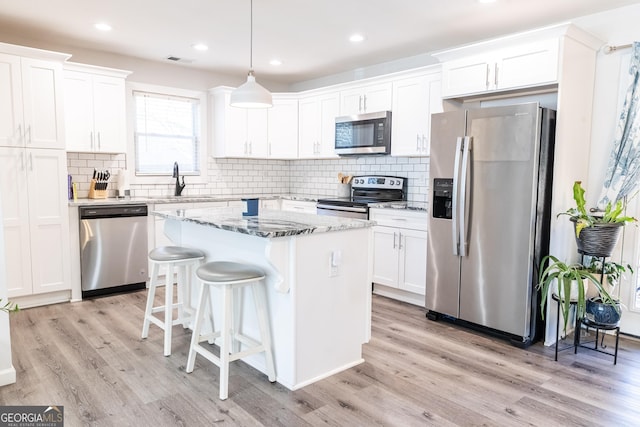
column 364, row 191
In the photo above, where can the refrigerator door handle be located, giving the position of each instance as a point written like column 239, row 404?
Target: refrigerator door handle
column 454, row 199
column 462, row 238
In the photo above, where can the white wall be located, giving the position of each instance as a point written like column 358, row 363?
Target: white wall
column 7, row 372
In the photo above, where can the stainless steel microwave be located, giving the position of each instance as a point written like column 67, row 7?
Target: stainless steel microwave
column 363, row 134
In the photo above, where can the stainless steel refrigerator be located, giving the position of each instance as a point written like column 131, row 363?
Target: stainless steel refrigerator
column 490, row 193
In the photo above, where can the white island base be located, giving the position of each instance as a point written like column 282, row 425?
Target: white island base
column 320, row 313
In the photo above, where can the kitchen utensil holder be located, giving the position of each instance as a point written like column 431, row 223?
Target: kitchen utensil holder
column 96, row 194
column 344, row 190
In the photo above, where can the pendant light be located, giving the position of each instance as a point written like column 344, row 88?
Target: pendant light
column 251, row 94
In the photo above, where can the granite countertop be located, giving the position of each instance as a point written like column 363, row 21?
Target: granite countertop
column 159, row 200
column 265, row 224
column 413, row 206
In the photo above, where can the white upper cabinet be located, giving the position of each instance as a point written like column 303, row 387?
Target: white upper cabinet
column 237, row 132
column 283, row 129
column 365, row 99
column 95, row 109
column 317, row 125
column 31, row 104
column 530, row 64
column 414, row 100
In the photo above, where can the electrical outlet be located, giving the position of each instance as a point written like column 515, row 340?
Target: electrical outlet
column 334, row 271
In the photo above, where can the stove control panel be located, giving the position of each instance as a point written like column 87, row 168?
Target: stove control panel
column 380, row 182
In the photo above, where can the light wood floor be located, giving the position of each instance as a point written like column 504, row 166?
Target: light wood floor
column 89, row 357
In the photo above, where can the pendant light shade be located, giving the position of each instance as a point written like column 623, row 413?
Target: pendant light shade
column 251, row 94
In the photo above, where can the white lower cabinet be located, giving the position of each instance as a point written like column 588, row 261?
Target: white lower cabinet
column 33, row 187
column 400, row 254
column 298, row 206
column 270, row 204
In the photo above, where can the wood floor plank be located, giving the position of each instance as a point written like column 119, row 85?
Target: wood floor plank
column 89, row 357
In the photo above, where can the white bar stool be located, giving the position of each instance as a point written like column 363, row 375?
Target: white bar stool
column 229, row 277
column 171, row 257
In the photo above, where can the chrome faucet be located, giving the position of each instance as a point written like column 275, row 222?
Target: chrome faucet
column 176, row 175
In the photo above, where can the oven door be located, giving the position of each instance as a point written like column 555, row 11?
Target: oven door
column 359, row 212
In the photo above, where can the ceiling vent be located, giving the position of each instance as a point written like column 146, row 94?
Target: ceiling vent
column 176, row 59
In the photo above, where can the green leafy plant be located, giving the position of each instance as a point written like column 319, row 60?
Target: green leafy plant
column 565, row 275
column 611, row 270
column 8, row 306
column 583, row 218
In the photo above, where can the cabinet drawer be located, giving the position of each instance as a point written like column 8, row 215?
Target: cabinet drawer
column 400, row 218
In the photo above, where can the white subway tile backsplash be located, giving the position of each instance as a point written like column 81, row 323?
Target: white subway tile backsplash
column 256, row 177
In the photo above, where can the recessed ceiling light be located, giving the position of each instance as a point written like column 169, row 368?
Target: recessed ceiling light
column 102, row 26
column 356, row 38
column 275, row 62
column 200, row 46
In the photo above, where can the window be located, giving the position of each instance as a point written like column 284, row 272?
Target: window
column 167, row 130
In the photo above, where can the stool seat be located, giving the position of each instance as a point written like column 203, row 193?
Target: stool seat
column 171, row 257
column 230, row 278
column 225, row 271
column 174, row 253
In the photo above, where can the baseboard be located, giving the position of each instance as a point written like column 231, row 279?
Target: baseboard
column 398, row 294
column 7, row 376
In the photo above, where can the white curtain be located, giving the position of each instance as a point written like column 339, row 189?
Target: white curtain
column 623, row 173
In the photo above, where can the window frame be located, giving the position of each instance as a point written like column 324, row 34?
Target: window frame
column 131, row 120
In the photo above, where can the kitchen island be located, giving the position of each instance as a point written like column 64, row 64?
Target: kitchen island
column 318, row 281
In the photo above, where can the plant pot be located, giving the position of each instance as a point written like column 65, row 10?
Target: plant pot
column 593, row 291
column 603, row 314
column 573, row 294
column 598, row 240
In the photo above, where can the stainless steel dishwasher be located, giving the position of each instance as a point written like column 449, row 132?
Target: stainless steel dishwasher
column 113, row 248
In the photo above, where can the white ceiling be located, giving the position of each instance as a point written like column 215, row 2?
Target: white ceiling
column 308, row 36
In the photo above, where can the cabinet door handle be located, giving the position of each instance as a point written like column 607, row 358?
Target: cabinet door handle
column 91, row 140
column 424, row 143
column 418, row 142
column 99, row 142
column 495, row 75
column 394, row 240
column 365, row 103
column 19, row 134
column 269, row 151
column 28, row 131
column 360, row 103
column 31, row 161
column 22, row 165
column 399, row 240
column 487, row 79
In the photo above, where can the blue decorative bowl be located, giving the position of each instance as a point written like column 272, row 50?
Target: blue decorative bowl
column 603, row 314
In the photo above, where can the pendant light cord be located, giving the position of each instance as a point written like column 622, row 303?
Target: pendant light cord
column 251, row 38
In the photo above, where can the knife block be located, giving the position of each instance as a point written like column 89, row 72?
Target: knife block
column 96, row 194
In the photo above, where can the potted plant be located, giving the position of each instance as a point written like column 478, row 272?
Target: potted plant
column 8, row 306
column 568, row 283
column 596, row 235
column 596, row 309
